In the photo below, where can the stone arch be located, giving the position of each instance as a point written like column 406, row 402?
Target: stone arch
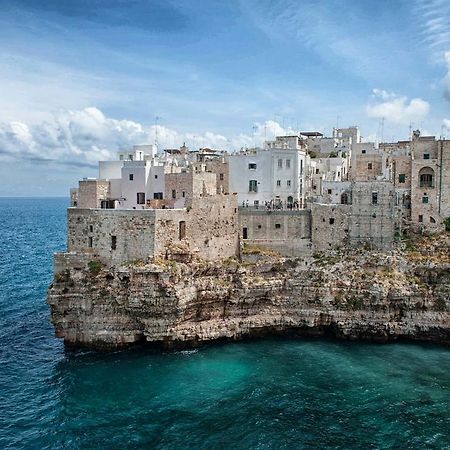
column 426, row 177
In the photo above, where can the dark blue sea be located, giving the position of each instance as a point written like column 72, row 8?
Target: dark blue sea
column 266, row 394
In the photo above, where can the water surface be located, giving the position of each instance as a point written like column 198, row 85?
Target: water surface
column 272, row 393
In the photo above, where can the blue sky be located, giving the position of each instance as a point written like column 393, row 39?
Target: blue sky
column 82, row 79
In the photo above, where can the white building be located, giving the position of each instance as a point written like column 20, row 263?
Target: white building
column 273, row 175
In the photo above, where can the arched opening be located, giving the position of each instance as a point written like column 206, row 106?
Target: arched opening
column 290, row 201
column 345, row 198
column 432, row 220
column 426, row 177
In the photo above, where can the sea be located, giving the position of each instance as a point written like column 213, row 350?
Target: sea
column 270, row 393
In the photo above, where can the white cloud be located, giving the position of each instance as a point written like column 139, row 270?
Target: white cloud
column 86, row 136
column 381, row 93
column 397, row 109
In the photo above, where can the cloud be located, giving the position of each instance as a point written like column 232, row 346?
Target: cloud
column 81, row 138
column 446, row 80
column 433, row 18
column 381, row 93
column 397, row 109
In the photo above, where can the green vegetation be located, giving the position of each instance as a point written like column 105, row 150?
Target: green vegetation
column 447, row 224
column 95, row 267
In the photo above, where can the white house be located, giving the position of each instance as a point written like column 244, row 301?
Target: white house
column 273, row 175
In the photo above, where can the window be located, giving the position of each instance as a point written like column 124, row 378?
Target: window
column 221, row 176
column 156, row 177
column 140, row 198
column 121, row 157
column 288, row 164
column 330, row 191
column 344, row 198
column 256, row 204
column 131, row 177
column 374, row 198
column 252, row 166
column 259, row 227
column 113, row 242
column 278, row 225
column 181, row 229
column 363, row 152
column 369, row 166
column 426, row 180
column 280, row 163
column 158, row 195
column 130, row 157
column 424, row 199
column 402, row 178
column 331, row 221
column 278, row 182
column 420, row 218
column 90, row 241
column 253, row 186
column 432, row 220
column 183, row 194
column 426, row 156
column 317, row 171
column 288, row 183
column 91, row 228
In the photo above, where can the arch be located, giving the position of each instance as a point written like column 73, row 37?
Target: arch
column 432, row 219
column 426, row 177
column 290, row 200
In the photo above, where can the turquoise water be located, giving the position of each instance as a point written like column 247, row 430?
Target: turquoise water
column 273, row 393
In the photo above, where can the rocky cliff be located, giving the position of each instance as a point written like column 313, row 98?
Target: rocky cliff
column 359, row 295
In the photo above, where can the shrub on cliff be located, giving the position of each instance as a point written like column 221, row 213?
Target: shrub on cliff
column 95, row 267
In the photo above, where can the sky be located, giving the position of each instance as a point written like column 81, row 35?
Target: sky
column 82, row 79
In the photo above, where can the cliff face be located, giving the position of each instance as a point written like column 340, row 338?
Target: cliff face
column 361, row 295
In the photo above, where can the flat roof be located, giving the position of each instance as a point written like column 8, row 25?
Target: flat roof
column 311, row 133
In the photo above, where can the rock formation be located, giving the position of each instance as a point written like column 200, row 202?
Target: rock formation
column 403, row 294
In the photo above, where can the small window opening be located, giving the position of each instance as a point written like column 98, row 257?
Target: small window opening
column 131, row 177
column 374, row 198
column 90, row 241
column 331, row 221
column 181, row 230
column 113, row 242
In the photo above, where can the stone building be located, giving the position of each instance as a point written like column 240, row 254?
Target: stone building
column 207, row 227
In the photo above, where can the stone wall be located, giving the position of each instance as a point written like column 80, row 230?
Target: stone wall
column 287, row 232
column 372, row 223
column 206, row 228
column 92, row 192
column 92, row 232
column 222, row 171
column 189, row 184
column 330, row 226
column 367, row 167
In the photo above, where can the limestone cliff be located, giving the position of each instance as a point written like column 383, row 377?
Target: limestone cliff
column 359, row 295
